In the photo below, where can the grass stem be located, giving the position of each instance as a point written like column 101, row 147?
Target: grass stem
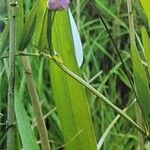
column 99, row 95
column 87, row 85
column 36, row 105
column 12, row 7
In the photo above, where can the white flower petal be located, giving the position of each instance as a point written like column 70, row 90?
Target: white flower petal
column 76, row 40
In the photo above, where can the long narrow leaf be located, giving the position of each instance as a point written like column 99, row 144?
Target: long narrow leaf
column 29, row 27
column 39, row 21
column 26, row 133
column 4, row 38
column 19, row 23
column 141, row 84
column 146, row 6
column 146, row 41
column 69, row 95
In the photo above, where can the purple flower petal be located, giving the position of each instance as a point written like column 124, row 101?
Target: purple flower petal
column 54, row 5
column 64, row 3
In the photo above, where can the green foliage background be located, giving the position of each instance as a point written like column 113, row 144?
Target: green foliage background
column 101, row 68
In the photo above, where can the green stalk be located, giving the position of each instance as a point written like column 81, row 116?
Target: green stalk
column 12, row 7
column 99, row 95
column 93, row 90
column 36, row 105
column 85, row 84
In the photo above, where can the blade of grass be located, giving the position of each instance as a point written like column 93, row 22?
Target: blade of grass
column 4, row 38
column 29, row 27
column 26, row 133
column 39, row 21
column 141, row 84
column 140, row 78
column 146, row 41
column 146, row 6
column 19, row 23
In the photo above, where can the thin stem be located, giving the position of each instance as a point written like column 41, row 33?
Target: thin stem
column 36, row 105
column 99, row 95
column 88, row 86
column 12, row 6
column 21, row 54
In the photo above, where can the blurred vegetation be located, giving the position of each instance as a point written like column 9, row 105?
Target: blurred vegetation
column 101, row 68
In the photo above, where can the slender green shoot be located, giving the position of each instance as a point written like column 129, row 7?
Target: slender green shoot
column 12, row 7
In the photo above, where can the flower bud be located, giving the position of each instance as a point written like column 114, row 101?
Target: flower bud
column 55, row 5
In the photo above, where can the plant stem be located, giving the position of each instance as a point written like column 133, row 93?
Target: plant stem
column 93, row 90
column 12, row 6
column 87, row 85
column 36, row 105
column 99, row 95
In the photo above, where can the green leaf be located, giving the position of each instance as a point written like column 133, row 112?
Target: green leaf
column 39, row 25
column 42, row 44
column 69, row 95
column 29, row 27
column 4, row 38
column 141, row 84
column 50, row 20
column 19, row 23
column 26, row 133
column 146, row 6
column 146, row 42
